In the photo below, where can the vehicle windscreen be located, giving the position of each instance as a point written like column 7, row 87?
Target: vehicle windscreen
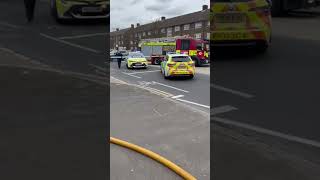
column 181, row 59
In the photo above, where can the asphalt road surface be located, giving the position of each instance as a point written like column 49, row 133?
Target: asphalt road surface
column 71, row 46
column 276, row 93
column 193, row 92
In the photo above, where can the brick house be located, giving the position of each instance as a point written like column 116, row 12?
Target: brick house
column 195, row 24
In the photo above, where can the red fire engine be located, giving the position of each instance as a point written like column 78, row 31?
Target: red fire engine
column 156, row 49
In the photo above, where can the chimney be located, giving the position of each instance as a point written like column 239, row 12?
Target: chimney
column 132, row 26
column 204, row 7
column 163, row 18
column 138, row 24
column 117, row 29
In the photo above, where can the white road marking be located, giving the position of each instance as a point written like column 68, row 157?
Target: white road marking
column 70, row 44
column 82, row 36
column 222, row 109
column 170, row 87
column 23, row 57
column 144, row 72
column 131, row 75
column 10, row 25
column 178, row 96
column 235, row 92
column 268, row 132
column 98, row 67
column 190, row 102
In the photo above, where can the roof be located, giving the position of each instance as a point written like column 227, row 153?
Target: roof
column 178, row 20
column 120, row 32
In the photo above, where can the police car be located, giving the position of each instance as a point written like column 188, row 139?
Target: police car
column 79, row 9
column 177, row 65
column 241, row 22
column 136, row 60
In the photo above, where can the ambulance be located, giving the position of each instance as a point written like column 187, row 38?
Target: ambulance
column 241, row 23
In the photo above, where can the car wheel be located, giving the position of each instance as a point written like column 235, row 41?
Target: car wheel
column 191, row 76
column 157, row 61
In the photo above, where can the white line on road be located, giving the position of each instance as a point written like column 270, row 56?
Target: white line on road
column 70, row 44
column 235, row 92
column 197, row 104
column 131, row 75
column 98, row 67
column 268, row 132
column 178, row 96
column 222, row 109
column 82, row 36
column 10, row 25
column 144, row 72
column 170, row 87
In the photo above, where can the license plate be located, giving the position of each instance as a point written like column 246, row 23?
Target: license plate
column 182, row 67
column 229, row 36
column 230, row 18
column 91, row 9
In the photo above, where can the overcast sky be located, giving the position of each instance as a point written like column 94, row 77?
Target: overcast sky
column 126, row 12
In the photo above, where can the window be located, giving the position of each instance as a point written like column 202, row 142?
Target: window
column 198, row 25
column 186, row 27
column 197, row 35
column 208, row 35
column 144, row 34
column 169, row 31
column 177, row 28
column 136, row 35
column 131, row 42
column 149, row 33
column 163, row 30
column 208, row 23
column 181, row 59
column 185, row 44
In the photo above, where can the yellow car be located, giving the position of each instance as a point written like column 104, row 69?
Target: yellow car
column 177, row 65
column 79, row 9
column 136, row 60
column 241, row 22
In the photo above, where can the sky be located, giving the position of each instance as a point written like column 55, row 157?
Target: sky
column 123, row 13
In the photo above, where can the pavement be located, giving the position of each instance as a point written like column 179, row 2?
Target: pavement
column 166, row 127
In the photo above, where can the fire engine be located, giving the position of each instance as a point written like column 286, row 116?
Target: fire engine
column 156, row 49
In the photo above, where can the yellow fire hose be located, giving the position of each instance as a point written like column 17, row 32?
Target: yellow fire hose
column 184, row 174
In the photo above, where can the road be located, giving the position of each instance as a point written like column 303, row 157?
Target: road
column 81, row 47
column 72, row 47
column 193, row 92
column 277, row 93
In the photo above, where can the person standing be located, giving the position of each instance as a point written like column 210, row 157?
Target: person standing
column 29, row 5
column 119, row 59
